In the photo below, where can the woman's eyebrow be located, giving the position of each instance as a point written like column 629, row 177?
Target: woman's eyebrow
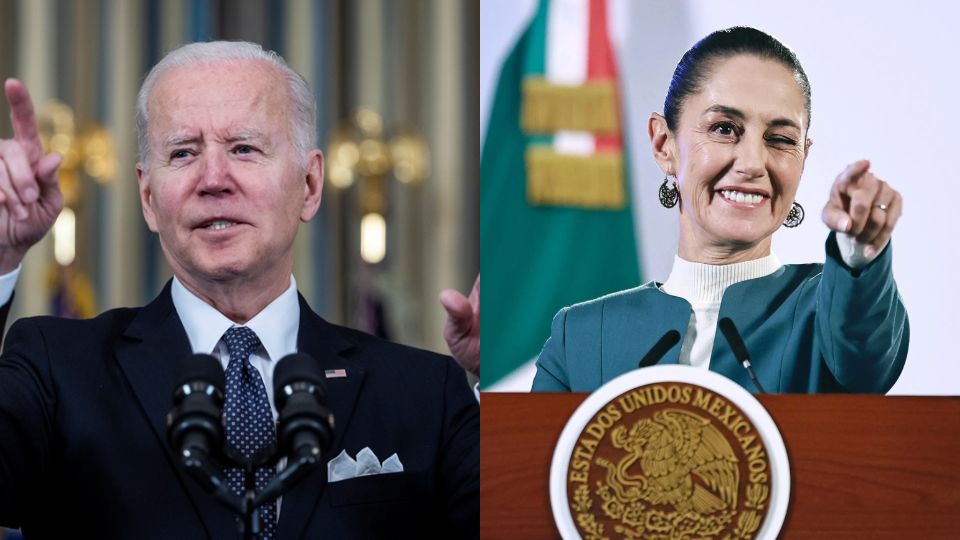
column 737, row 113
column 729, row 111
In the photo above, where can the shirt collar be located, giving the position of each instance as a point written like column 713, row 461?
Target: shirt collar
column 277, row 325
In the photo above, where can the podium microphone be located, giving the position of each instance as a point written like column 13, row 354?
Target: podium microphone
column 299, row 388
column 306, row 425
column 193, row 425
column 659, row 349
column 739, row 349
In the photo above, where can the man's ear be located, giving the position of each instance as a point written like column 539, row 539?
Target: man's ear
column 145, row 194
column 662, row 144
column 312, row 186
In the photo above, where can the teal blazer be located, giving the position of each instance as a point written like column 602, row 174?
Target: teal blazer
column 809, row 328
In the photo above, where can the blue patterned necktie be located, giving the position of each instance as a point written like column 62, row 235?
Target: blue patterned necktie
column 249, row 420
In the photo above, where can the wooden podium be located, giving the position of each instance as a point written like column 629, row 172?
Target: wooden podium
column 861, row 466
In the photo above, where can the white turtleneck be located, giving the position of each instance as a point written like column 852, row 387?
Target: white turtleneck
column 703, row 285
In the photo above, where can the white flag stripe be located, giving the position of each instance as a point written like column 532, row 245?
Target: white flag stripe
column 568, row 23
column 577, row 143
column 567, row 27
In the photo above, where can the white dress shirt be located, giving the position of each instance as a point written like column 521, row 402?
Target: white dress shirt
column 8, row 282
column 277, row 326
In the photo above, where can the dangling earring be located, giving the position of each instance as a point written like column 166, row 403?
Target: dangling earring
column 795, row 217
column 669, row 194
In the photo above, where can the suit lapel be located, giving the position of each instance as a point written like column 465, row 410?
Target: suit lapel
column 331, row 348
column 147, row 355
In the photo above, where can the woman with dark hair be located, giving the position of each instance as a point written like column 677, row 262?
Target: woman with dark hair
column 732, row 142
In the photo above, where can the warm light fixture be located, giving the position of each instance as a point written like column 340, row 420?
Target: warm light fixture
column 359, row 154
column 373, row 238
column 65, row 237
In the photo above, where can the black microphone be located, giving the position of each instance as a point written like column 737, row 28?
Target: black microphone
column 299, row 389
column 739, row 349
column 194, row 428
column 193, row 425
column 660, row 348
column 306, row 425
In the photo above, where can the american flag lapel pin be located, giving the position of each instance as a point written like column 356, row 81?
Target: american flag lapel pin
column 335, row 373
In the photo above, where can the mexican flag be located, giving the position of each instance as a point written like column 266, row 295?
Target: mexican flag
column 555, row 221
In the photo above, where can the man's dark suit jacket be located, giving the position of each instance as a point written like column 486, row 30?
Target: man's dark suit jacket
column 83, row 450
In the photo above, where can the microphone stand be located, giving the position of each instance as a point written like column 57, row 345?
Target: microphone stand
column 252, row 524
column 199, row 466
column 202, row 469
column 296, row 470
column 195, row 431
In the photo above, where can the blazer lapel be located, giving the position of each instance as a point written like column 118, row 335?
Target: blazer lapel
column 752, row 306
column 147, row 354
column 633, row 326
column 331, row 348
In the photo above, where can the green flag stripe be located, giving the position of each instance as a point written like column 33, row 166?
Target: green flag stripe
column 535, row 260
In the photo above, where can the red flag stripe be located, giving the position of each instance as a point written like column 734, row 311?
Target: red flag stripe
column 601, row 65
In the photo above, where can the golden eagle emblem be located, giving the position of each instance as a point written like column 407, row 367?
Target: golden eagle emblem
column 668, row 462
column 676, row 458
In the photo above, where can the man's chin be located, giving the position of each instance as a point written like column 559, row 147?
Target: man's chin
column 224, row 272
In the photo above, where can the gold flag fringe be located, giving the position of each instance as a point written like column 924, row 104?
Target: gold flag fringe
column 594, row 182
column 548, row 108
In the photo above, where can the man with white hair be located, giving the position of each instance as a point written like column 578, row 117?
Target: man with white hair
column 227, row 171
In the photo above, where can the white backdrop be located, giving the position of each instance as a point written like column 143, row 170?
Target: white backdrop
column 885, row 87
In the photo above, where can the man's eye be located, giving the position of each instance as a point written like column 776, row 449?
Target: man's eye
column 243, row 149
column 179, row 154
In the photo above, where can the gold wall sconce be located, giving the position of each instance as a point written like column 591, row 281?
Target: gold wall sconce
column 359, row 154
column 90, row 153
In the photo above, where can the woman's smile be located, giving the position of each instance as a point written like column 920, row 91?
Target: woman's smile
column 737, row 154
column 742, row 198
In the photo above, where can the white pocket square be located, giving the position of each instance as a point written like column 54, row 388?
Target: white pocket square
column 344, row 467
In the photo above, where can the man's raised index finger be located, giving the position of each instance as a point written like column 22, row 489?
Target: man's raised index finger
column 23, row 118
